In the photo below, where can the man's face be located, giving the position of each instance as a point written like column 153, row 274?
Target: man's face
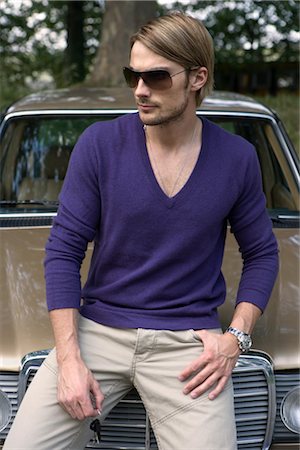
column 157, row 107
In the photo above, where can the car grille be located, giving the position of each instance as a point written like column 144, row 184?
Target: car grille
column 253, row 400
column 252, row 407
column 284, row 383
column 128, row 426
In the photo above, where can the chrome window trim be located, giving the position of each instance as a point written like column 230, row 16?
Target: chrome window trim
column 287, row 217
column 27, row 215
column 65, row 112
column 111, row 112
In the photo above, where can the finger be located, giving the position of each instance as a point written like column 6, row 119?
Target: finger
column 193, row 367
column 88, row 406
column 201, row 383
column 218, row 389
column 79, row 407
column 78, row 412
column 206, row 372
column 211, row 384
column 65, row 403
column 98, row 396
column 81, row 411
column 73, row 410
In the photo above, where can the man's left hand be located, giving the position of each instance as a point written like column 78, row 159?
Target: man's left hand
column 214, row 366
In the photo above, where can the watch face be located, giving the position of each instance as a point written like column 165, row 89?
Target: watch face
column 245, row 342
column 244, row 339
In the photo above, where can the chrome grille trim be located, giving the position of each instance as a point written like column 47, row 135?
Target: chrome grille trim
column 255, row 405
column 29, row 365
column 128, row 426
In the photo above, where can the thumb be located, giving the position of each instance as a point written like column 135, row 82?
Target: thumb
column 97, row 395
column 203, row 334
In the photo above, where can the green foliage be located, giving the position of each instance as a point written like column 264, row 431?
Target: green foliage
column 34, row 40
column 249, row 31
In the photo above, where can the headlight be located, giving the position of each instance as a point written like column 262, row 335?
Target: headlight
column 290, row 410
column 5, row 410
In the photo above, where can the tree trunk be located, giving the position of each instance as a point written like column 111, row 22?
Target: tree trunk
column 121, row 20
column 74, row 53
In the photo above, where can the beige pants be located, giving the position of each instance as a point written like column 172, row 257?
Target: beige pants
column 150, row 360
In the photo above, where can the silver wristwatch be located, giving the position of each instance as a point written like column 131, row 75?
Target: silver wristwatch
column 244, row 339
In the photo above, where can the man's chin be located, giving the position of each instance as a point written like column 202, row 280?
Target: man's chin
column 155, row 117
column 148, row 120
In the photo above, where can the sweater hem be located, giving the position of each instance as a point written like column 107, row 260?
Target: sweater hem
column 148, row 320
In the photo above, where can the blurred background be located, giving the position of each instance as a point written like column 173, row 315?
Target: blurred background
column 46, row 44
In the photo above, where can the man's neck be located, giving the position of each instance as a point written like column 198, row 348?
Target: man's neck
column 174, row 135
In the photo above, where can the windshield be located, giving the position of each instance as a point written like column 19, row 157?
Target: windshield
column 35, row 152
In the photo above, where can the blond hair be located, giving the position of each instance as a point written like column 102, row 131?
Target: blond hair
column 182, row 39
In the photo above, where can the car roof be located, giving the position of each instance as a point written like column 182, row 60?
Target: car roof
column 91, row 99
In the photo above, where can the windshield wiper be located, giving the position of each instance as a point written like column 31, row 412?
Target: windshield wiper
column 28, row 202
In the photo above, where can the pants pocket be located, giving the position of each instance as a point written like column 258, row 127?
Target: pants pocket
column 194, row 335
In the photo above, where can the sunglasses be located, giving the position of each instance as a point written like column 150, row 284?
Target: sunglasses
column 154, row 79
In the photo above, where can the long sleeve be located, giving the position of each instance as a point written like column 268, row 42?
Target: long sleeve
column 75, row 225
column 253, row 231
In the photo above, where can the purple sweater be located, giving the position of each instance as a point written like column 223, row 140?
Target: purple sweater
column 157, row 261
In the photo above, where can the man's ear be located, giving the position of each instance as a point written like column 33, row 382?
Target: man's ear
column 198, row 78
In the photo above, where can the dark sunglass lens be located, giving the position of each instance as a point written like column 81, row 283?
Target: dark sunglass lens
column 131, row 77
column 155, row 79
column 158, row 79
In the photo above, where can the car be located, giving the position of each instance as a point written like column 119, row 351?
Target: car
column 37, row 134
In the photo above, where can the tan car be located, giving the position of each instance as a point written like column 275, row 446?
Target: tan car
column 37, row 137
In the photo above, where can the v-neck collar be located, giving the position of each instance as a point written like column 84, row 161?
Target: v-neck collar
column 170, row 202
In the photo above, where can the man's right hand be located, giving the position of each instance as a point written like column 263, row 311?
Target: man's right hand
column 78, row 392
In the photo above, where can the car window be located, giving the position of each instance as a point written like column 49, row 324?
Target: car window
column 36, row 150
column 261, row 134
column 36, row 156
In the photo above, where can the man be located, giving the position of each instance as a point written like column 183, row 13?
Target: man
column 154, row 191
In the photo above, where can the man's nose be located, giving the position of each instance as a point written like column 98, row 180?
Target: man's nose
column 142, row 90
